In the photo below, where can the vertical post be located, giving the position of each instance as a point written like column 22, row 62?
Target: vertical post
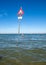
column 18, row 26
column 20, row 13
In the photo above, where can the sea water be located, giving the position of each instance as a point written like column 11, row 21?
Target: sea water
column 25, row 48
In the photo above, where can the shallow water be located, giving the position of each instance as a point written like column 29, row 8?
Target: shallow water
column 24, row 48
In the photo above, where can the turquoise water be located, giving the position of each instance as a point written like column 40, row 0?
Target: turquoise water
column 27, row 47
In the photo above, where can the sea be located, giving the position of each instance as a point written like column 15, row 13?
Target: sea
column 23, row 47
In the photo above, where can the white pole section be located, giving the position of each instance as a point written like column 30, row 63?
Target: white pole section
column 18, row 26
column 19, row 20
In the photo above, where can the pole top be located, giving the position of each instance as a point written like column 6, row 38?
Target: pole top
column 20, row 12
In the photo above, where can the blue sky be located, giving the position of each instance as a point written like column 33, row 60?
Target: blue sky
column 34, row 18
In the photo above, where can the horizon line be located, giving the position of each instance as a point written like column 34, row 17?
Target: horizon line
column 23, row 33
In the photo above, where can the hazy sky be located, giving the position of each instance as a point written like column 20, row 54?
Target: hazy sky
column 34, row 18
